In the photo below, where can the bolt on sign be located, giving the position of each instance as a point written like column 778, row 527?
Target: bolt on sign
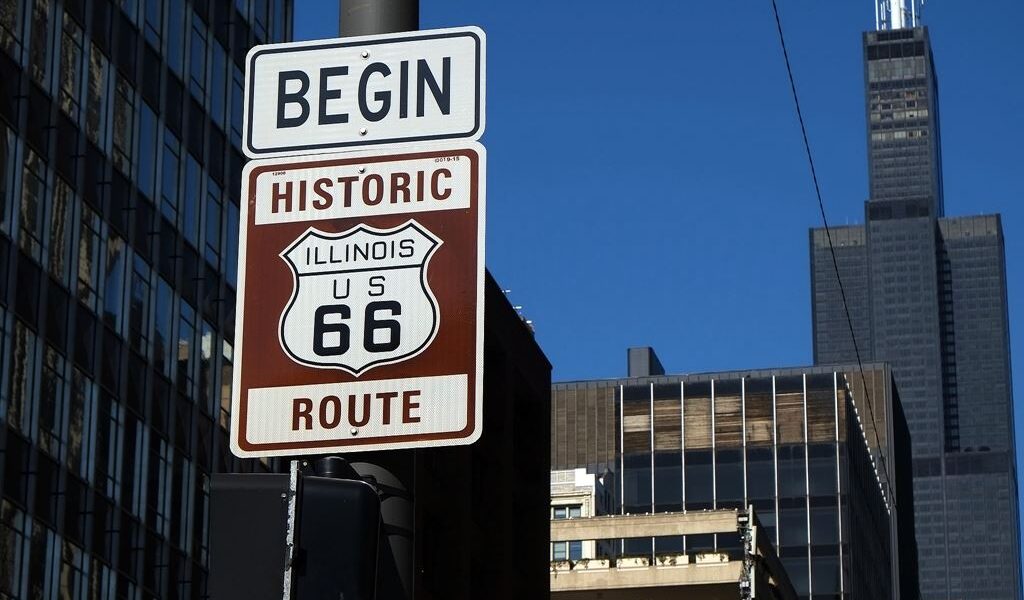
column 324, row 95
column 360, row 301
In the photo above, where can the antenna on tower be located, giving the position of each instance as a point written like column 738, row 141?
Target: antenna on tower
column 897, row 14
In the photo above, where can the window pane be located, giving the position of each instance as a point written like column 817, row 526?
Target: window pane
column 169, row 178
column 668, row 481
column 51, row 406
column 154, row 21
column 138, row 319
column 39, row 50
column 113, row 289
column 96, row 113
column 70, row 67
column 80, row 428
column 213, row 221
column 175, row 33
column 60, row 232
column 699, row 483
column 147, row 150
column 231, row 244
column 88, row 256
column 33, row 198
column 197, row 60
column 186, row 348
column 10, row 27
column 22, row 383
column 218, row 79
column 124, row 115
column 637, row 483
column 824, row 525
column 190, row 201
column 164, row 322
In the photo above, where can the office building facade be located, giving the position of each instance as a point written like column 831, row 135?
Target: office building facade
column 818, row 461
column 927, row 293
column 120, row 136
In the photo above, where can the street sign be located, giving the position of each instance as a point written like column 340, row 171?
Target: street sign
column 360, row 301
column 326, row 95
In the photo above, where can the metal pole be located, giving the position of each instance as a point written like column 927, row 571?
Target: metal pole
column 369, row 17
column 291, row 539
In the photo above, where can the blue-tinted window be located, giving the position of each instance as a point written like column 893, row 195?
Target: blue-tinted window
column 154, row 21
column 197, row 60
column 793, row 526
column 729, row 478
column 637, row 483
column 113, row 287
column 231, row 245
column 760, row 473
column 169, row 177
column 668, row 481
column 190, row 201
column 213, row 221
column 218, row 81
column 175, row 35
column 792, row 472
column 699, row 479
column 163, row 342
column 147, row 151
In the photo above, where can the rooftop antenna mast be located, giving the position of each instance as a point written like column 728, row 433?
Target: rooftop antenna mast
column 897, row 14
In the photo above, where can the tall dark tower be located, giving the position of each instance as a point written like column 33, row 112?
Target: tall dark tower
column 927, row 294
column 120, row 160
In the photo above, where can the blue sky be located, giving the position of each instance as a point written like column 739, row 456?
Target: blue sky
column 647, row 184
column 646, row 179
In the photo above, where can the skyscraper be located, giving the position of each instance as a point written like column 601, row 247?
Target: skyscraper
column 120, row 135
column 927, row 294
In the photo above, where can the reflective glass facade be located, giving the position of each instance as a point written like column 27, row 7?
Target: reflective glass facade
column 797, row 444
column 120, row 129
column 927, row 293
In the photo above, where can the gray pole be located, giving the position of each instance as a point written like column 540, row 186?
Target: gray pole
column 395, row 578
column 369, row 17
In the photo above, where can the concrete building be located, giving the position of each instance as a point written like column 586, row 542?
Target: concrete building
column 820, row 453
column 750, row 570
column 574, row 494
column 927, row 293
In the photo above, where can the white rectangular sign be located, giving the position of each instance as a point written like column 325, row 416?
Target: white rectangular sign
column 324, row 95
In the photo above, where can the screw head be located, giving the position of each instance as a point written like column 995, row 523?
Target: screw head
column 362, row 131
column 365, row 54
column 354, row 431
column 362, row 169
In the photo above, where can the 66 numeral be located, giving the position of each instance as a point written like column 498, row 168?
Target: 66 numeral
column 371, row 324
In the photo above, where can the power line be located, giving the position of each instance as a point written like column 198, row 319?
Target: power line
column 824, row 219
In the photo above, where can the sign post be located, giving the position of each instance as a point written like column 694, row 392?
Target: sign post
column 360, row 301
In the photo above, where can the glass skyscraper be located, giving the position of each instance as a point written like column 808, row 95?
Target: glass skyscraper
column 927, row 293
column 120, row 134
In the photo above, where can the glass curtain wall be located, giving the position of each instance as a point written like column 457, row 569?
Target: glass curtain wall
column 771, row 442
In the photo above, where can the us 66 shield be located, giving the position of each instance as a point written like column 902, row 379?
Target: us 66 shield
column 360, row 302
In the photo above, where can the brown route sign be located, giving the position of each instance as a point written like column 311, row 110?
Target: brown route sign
column 360, row 301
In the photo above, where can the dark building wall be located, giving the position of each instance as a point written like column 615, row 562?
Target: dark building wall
column 937, row 311
column 482, row 511
column 829, row 319
column 771, row 438
column 905, row 321
column 120, row 124
column 980, row 468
